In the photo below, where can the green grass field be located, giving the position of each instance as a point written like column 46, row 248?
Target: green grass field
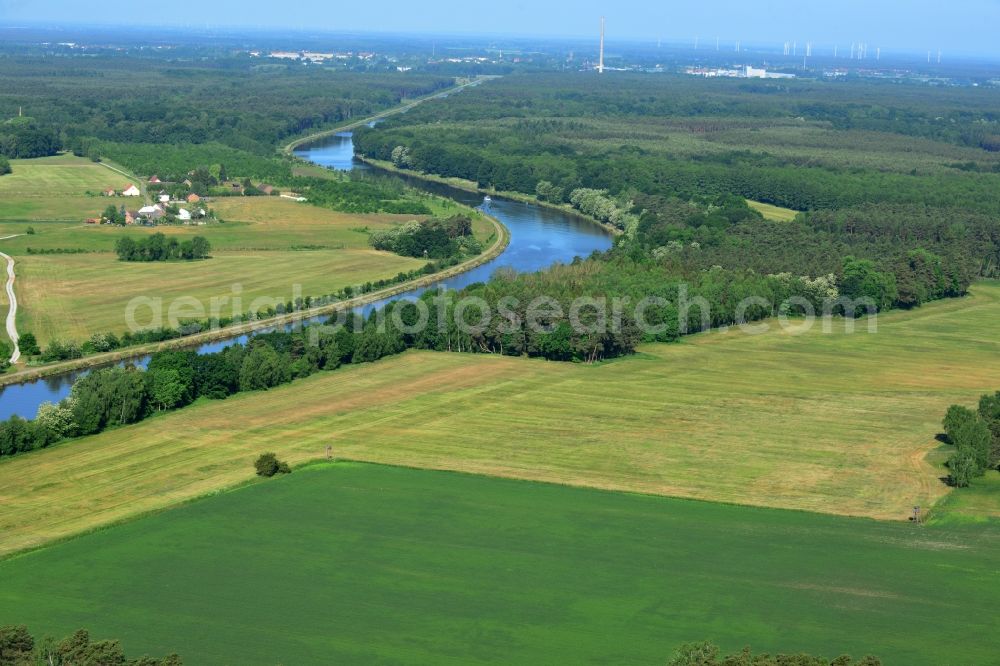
column 835, row 423
column 54, row 188
column 350, row 563
column 71, row 296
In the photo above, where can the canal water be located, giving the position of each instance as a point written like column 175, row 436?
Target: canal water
column 539, row 237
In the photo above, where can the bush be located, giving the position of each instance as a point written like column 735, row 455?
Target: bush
column 707, row 654
column 268, row 465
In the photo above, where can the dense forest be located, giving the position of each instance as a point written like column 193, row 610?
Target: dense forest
column 802, row 145
column 147, row 100
column 897, row 185
column 159, row 115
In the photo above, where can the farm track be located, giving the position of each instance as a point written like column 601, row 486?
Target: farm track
column 12, row 311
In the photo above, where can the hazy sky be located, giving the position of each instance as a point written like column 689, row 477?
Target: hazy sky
column 969, row 26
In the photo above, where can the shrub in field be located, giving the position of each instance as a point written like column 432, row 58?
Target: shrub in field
column 707, row 654
column 267, row 465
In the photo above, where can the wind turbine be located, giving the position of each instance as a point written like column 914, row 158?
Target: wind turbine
column 600, row 62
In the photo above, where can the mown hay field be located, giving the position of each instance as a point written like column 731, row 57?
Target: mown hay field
column 827, row 422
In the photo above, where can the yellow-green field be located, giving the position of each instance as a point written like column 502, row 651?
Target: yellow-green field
column 70, row 297
column 836, row 423
column 775, row 213
column 260, row 248
column 55, row 188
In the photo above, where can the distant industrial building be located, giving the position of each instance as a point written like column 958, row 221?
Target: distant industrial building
column 746, row 72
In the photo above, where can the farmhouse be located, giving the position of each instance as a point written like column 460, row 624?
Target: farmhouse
column 131, row 191
column 110, row 192
column 184, row 215
column 151, row 212
column 164, row 198
column 155, row 180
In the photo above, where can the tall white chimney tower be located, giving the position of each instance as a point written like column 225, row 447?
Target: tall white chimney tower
column 600, row 62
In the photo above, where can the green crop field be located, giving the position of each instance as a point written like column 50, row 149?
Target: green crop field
column 835, row 423
column 351, row 563
column 266, row 246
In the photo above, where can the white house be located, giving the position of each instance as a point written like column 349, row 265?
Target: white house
column 164, row 198
column 184, row 214
column 131, row 191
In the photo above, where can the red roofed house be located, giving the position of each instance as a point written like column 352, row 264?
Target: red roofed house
column 155, row 179
column 131, row 191
column 110, row 192
column 193, row 198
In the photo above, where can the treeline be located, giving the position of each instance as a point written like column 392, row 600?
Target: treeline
column 157, row 247
column 434, row 238
column 116, row 396
column 975, row 434
column 174, row 162
column 708, row 654
column 361, row 194
column 19, row 648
